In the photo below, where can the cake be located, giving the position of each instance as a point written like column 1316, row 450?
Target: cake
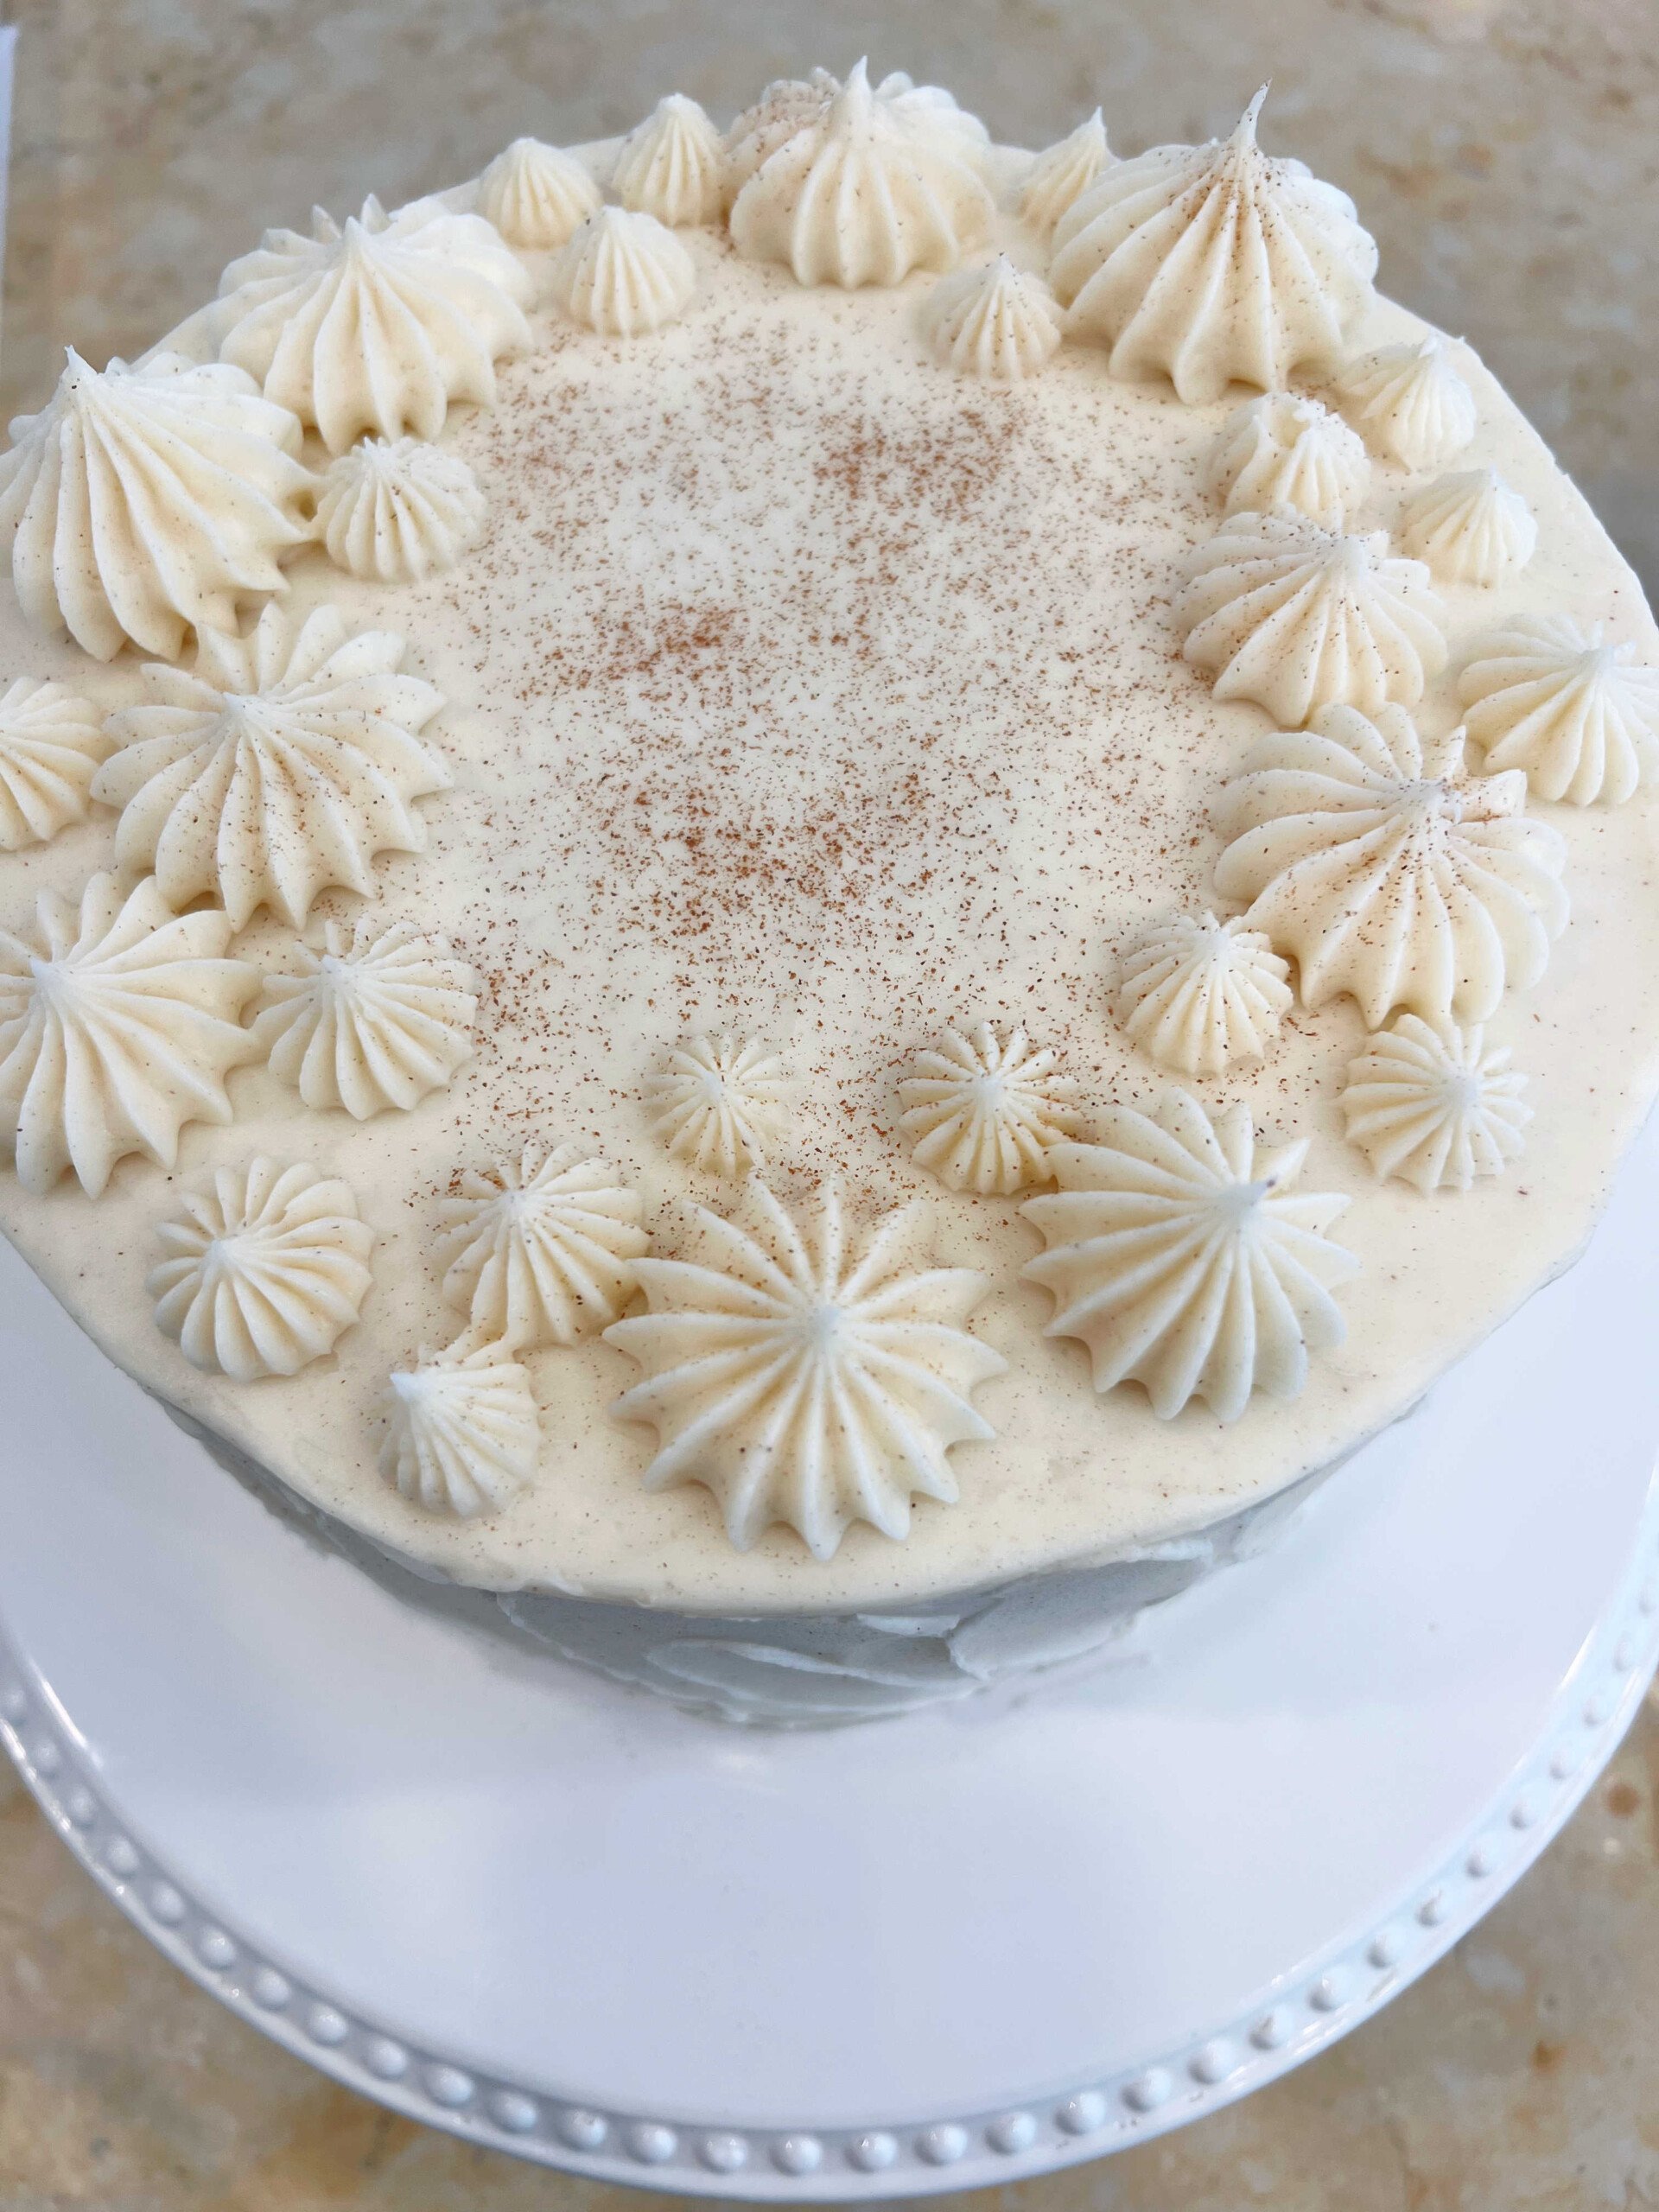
column 792, row 905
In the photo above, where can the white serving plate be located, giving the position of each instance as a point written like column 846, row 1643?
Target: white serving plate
column 977, row 1943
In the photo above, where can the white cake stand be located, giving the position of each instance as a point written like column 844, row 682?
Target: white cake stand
column 978, row 1942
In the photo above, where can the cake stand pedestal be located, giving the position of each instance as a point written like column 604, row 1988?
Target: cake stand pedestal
column 974, row 1943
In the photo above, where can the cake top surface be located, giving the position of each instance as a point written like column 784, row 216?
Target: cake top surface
column 854, row 886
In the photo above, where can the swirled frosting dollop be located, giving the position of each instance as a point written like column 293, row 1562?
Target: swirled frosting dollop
column 118, row 1024
column 1176, row 1256
column 1215, row 264
column 265, row 1269
column 1059, row 176
column 982, row 1112
column 718, row 1102
column 788, row 104
column 1429, row 1102
column 278, row 767
column 862, row 193
column 1200, row 995
column 392, row 512
column 1408, row 402
column 806, row 1377
column 623, row 273
column 1577, row 715
column 462, row 1431
column 1471, row 528
column 997, row 322
column 1383, row 870
column 51, row 743
column 673, row 166
column 535, row 194
column 142, row 501
column 369, row 1018
column 379, row 325
column 1283, row 450
column 542, row 1252
column 1299, row 618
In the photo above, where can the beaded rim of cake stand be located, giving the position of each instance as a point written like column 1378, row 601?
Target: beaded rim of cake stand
column 1299, row 2015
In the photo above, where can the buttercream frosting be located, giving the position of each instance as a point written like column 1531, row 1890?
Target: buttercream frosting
column 462, row 1431
column 1284, row 450
column 718, row 1102
column 997, row 322
column 266, row 1268
column 806, row 1377
column 1200, row 996
column 542, row 1250
column 623, row 273
column 1428, row 1102
column 1212, row 265
column 1578, row 715
column 370, row 1018
column 1410, row 402
column 51, row 742
column 118, row 1024
column 1299, row 618
column 788, row 104
column 278, row 765
column 981, row 1112
column 142, row 501
column 1176, row 1255
column 1471, row 528
column 673, row 166
column 861, row 194
column 393, row 512
column 535, row 194
column 1382, row 869
column 379, row 325
column 1061, row 173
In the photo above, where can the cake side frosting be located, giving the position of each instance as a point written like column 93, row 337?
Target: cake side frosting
column 776, row 706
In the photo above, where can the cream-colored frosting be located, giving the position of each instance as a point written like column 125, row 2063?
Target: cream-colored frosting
column 51, row 742
column 535, row 194
column 718, row 1102
column 266, row 1268
column 806, row 1376
column 379, row 325
column 622, row 274
column 930, row 114
column 1200, row 996
column 462, row 1431
column 1381, row 869
column 542, row 1252
column 395, row 510
column 1299, row 618
column 1471, row 528
column 1408, row 402
column 804, row 691
column 788, row 104
column 1428, row 1102
column 1576, row 714
column 981, row 1112
column 996, row 321
column 863, row 193
column 1176, row 1257
column 1213, row 265
column 369, row 1017
column 1059, row 176
column 1284, row 450
column 118, row 1024
column 281, row 763
column 673, row 166
column 140, row 501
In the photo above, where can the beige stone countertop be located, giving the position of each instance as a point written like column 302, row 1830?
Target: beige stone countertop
column 1506, row 154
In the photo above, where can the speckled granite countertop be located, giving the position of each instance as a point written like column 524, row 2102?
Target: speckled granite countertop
column 1506, row 153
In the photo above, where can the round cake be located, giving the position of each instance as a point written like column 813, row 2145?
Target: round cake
column 794, row 904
